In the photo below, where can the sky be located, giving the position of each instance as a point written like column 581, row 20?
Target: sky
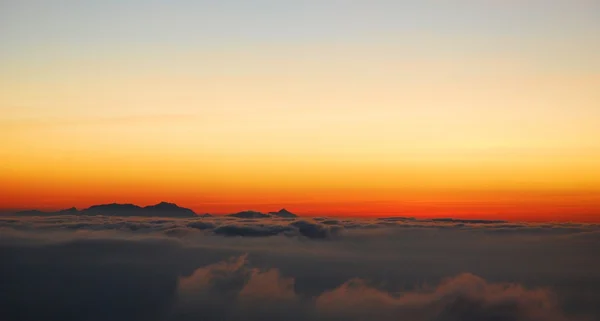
column 467, row 108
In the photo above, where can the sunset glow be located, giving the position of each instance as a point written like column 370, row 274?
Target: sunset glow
column 318, row 107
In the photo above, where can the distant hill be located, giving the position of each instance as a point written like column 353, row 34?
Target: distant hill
column 114, row 209
column 33, row 213
column 69, row 211
column 283, row 213
column 169, row 208
column 254, row 214
column 249, row 214
column 162, row 209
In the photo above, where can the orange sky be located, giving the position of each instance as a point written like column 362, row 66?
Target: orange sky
column 461, row 116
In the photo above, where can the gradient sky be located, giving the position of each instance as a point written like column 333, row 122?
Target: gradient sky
column 463, row 108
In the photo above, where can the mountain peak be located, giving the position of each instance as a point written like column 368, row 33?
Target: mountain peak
column 164, row 205
column 283, row 213
column 249, row 214
column 162, row 209
column 170, row 209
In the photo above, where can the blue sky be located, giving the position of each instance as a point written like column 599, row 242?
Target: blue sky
column 73, row 24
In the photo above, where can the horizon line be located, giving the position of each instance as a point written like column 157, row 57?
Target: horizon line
column 421, row 216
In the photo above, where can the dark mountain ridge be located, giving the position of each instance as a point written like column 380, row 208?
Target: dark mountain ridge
column 283, row 213
column 249, row 214
column 163, row 209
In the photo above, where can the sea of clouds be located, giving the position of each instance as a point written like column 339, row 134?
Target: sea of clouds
column 223, row 268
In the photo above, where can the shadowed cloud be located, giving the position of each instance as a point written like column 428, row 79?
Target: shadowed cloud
column 74, row 267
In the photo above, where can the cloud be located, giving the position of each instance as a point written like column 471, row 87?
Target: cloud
column 318, row 228
column 465, row 297
column 201, row 225
column 315, row 230
column 89, row 268
column 232, row 290
column 250, row 230
column 107, row 279
column 266, row 295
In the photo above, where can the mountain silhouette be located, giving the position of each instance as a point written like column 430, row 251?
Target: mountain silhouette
column 254, row 214
column 114, row 209
column 68, row 211
column 249, row 214
column 169, row 208
column 283, row 213
column 162, row 209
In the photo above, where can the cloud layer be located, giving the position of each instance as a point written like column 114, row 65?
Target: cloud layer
column 111, row 268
